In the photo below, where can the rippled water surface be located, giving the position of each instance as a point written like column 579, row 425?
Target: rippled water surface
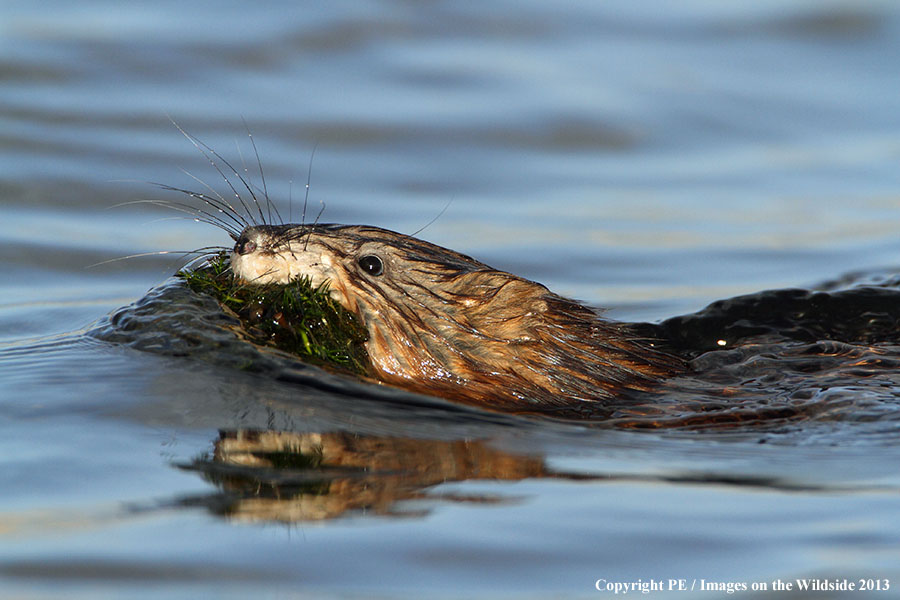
column 648, row 157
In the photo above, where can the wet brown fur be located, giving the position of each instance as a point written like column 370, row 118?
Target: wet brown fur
column 444, row 324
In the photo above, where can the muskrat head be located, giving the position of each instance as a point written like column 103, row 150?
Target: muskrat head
column 368, row 270
column 443, row 323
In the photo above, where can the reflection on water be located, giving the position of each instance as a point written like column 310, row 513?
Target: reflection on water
column 287, row 477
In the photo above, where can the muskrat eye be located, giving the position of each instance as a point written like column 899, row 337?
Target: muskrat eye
column 244, row 246
column 371, row 264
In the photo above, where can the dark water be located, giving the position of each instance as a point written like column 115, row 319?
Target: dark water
column 645, row 157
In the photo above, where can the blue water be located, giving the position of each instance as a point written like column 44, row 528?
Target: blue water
column 645, row 156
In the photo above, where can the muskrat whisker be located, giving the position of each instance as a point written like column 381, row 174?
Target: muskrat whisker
column 211, row 249
column 209, row 153
column 219, row 202
column 319, row 214
column 197, row 214
column 312, row 155
column 290, row 200
column 203, row 251
column 431, row 222
column 253, row 184
column 206, row 256
column 238, row 220
column 270, row 206
column 192, row 218
column 212, row 190
column 315, row 222
column 308, row 180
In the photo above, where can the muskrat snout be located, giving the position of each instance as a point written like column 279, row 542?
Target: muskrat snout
column 244, row 246
column 279, row 254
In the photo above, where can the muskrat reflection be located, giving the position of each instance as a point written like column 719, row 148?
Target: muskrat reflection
column 290, row 477
column 286, row 477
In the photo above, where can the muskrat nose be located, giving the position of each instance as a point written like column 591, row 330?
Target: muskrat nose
column 244, row 246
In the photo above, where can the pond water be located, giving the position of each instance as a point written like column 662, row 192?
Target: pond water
column 645, row 157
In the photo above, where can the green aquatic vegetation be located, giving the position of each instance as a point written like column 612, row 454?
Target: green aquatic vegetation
column 296, row 318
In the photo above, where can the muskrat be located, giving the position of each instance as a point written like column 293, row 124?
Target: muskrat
column 442, row 323
column 439, row 322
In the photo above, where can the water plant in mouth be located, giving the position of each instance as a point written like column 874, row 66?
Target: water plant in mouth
column 296, row 317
